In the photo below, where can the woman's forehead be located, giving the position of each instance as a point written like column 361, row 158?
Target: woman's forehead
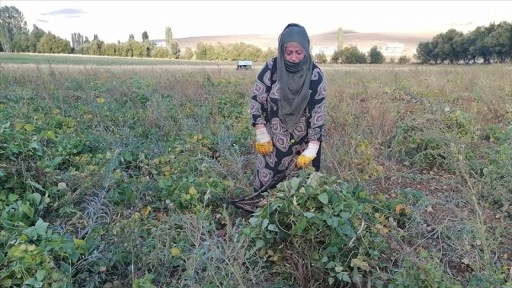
column 292, row 45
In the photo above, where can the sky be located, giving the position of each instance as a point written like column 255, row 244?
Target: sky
column 114, row 21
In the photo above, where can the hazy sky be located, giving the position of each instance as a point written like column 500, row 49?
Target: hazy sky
column 116, row 20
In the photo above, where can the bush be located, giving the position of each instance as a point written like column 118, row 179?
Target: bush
column 352, row 55
column 160, row 52
column 338, row 228
column 375, row 56
column 404, row 60
column 321, row 58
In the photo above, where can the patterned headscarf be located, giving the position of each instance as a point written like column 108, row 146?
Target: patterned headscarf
column 294, row 78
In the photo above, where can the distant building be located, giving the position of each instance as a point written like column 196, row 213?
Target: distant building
column 394, row 49
column 159, row 43
column 328, row 51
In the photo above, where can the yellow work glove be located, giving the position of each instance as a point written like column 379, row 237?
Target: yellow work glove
column 307, row 155
column 263, row 142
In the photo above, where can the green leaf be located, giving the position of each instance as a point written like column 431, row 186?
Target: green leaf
column 12, row 198
column 254, row 221
column 15, row 252
column 33, row 283
column 31, row 233
column 272, row 227
column 35, row 198
column 64, row 267
column 28, row 127
column 35, row 185
column 330, row 265
column 347, row 230
column 260, row 243
column 41, row 226
column 309, row 215
column 80, row 245
column 35, row 145
column 6, row 282
column 294, row 182
column 51, row 135
column 26, row 209
column 345, row 277
column 324, row 198
column 264, row 224
column 40, row 274
column 301, row 225
column 333, row 222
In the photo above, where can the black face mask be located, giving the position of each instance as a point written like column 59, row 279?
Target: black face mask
column 292, row 67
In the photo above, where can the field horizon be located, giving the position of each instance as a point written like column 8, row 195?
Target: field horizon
column 363, row 40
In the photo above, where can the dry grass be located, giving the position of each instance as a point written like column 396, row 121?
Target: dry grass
column 366, row 106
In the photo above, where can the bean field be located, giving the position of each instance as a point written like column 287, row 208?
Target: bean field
column 119, row 173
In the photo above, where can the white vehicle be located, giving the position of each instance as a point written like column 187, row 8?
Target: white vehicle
column 244, row 64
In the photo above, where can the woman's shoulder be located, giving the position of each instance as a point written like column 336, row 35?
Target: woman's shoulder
column 271, row 63
column 315, row 66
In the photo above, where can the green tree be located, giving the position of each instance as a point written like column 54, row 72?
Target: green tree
column 35, row 35
column 189, row 54
column 96, row 47
column 341, row 39
column 160, row 52
column 172, row 44
column 267, row 54
column 499, row 40
column 20, row 43
column 145, row 36
column 481, row 48
column 404, row 59
column 352, row 55
column 111, row 49
column 202, row 51
column 375, row 56
column 12, row 23
column 77, row 40
column 424, row 52
column 337, row 57
column 50, row 43
column 448, row 46
column 320, row 58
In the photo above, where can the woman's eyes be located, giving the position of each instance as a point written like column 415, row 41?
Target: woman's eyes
column 290, row 52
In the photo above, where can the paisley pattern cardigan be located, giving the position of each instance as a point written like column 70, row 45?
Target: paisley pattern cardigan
column 288, row 145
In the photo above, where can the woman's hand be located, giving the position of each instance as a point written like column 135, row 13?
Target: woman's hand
column 263, row 142
column 308, row 155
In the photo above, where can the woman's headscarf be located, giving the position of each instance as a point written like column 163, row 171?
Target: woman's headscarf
column 294, row 78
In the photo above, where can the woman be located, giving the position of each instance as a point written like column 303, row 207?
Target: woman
column 287, row 110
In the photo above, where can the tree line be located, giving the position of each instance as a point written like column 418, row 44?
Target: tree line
column 485, row 44
column 16, row 37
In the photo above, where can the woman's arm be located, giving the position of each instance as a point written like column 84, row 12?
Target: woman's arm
column 316, row 106
column 258, row 103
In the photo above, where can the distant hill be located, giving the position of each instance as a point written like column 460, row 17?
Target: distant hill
column 364, row 41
